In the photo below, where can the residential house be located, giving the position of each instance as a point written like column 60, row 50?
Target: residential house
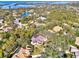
column 75, row 51
column 38, row 39
column 23, row 53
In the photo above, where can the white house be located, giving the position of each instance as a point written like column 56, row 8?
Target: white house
column 77, row 41
column 42, row 18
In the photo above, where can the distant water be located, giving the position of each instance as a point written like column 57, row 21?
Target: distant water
column 34, row 2
column 26, row 4
column 15, row 7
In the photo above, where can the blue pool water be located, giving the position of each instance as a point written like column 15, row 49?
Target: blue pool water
column 25, row 14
